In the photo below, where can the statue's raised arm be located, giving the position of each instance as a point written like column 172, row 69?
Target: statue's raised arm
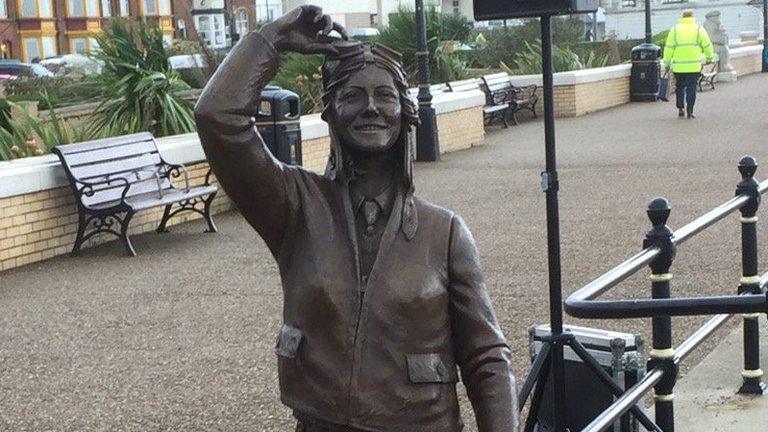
column 253, row 179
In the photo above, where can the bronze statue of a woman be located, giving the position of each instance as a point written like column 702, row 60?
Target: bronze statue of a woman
column 383, row 294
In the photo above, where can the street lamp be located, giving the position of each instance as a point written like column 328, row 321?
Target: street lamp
column 757, row 3
column 427, row 145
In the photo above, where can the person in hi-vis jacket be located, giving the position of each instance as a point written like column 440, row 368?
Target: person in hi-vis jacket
column 687, row 45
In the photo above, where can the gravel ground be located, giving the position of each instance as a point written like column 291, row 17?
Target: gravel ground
column 180, row 338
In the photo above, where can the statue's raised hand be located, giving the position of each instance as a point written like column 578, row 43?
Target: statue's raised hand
column 304, row 30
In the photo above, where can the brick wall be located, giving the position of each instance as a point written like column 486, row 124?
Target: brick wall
column 41, row 225
column 461, row 129
column 579, row 99
column 597, row 96
column 314, row 153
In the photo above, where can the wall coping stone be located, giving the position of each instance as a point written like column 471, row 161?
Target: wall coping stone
column 582, row 76
column 34, row 174
column 747, row 51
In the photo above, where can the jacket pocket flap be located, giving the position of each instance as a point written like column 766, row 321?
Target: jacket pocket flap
column 430, row 368
column 288, row 341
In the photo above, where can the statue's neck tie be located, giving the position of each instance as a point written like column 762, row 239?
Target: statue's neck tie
column 371, row 211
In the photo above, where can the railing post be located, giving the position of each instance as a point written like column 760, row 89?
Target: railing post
column 749, row 283
column 662, row 353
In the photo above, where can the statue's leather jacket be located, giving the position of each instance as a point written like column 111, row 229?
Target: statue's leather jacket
column 379, row 354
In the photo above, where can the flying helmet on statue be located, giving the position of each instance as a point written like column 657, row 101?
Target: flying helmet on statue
column 356, row 56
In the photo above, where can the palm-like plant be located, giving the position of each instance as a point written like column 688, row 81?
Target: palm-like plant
column 138, row 87
column 27, row 136
column 401, row 36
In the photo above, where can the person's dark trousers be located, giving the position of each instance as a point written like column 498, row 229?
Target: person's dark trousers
column 685, row 90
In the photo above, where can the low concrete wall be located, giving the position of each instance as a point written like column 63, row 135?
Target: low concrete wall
column 38, row 216
column 584, row 91
column 580, row 92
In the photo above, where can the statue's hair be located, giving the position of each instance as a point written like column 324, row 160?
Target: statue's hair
column 357, row 56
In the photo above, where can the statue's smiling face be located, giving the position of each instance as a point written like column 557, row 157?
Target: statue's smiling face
column 368, row 110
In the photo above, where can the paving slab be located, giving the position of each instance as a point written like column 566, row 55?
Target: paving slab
column 706, row 397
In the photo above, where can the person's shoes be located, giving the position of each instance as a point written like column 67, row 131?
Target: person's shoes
column 680, row 113
column 691, row 116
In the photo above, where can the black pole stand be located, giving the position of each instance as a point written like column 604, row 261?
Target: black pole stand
column 427, row 145
column 765, row 35
column 551, row 357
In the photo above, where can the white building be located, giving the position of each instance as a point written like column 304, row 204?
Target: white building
column 626, row 18
column 349, row 13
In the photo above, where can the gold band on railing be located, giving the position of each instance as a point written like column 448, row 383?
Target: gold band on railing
column 749, row 280
column 664, row 397
column 750, row 219
column 752, row 374
column 661, row 277
column 751, row 316
column 662, row 353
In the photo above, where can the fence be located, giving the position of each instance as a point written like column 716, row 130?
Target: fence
column 660, row 246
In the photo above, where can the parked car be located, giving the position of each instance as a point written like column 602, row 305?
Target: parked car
column 14, row 69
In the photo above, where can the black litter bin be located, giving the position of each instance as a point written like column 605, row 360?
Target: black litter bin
column 646, row 71
column 278, row 122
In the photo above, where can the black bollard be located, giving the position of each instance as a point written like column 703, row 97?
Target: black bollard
column 750, row 281
column 662, row 353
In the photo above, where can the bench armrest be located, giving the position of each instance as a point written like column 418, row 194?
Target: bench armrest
column 158, row 179
column 176, row 170
column 87, row 187
column 528, row 91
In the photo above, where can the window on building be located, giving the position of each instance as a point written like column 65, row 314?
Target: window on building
column 32, row 49
column 76, row 8
column 628, row 3
column 673, row 1
column 157, row 7
column 46, row 8
column 3, row 9
column 29, row 8
column 211, row 29
column 49, row 46
column 241, row 22
column 78, row 45
column 150, row 7
column 93, row 8
column 125, row 9
column 106, row 8
column 268, row 10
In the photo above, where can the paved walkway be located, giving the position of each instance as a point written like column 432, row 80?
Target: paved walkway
column 181, row 337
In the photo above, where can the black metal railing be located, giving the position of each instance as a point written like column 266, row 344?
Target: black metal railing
column 660, row 246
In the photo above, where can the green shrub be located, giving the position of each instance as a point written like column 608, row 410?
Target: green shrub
column 504, row 44
column 302, row 74
column 27, row 136
column 444, row 65
column 51, row 92
column 138, row 87
column 528, row 61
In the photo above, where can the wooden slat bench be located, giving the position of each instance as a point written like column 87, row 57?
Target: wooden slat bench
column 499, row 89
column 708, row 75
column 496, row 105
column 114, row 178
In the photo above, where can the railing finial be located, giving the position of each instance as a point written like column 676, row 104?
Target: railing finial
column 747, row 167
column 658, row 212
